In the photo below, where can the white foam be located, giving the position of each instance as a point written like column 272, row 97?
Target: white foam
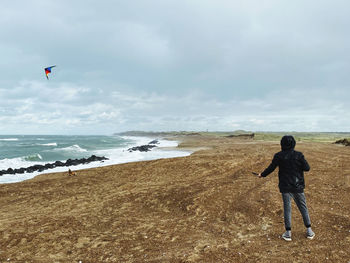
column 13, row 163
column 19, row 162
column 116, row 156
column 49, row 144
column 73, row 148
column 9, row 139
column 32, row 157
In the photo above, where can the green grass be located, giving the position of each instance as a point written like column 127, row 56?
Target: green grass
column 326, row 137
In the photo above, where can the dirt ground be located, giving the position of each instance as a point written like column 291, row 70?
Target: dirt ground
column 206, row 207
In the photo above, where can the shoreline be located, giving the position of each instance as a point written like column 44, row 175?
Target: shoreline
column 165, row 152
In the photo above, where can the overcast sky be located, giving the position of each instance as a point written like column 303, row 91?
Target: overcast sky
column 274, row 65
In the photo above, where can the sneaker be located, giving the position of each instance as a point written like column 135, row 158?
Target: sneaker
column 287, row 236
column 310, row 234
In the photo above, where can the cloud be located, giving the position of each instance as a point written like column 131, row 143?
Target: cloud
column 68, row 108
column 167, row 65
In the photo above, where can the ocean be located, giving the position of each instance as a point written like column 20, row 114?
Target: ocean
column 27, row 150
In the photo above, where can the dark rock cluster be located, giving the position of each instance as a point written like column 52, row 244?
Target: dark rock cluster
column 144, row 148
column 154, row 142
column 345, row 142
column 40, row 168
column 247, row 136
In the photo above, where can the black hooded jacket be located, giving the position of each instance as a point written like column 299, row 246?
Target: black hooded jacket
column 292, row 165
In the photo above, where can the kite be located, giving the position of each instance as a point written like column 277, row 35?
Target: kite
column 48, row 71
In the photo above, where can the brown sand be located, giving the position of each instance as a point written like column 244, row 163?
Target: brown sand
column 203, row 208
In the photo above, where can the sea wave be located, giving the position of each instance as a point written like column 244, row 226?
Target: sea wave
column 73, row 148
column 14, row 163
column 48, row 144
column 9, row 139
column 33, row 157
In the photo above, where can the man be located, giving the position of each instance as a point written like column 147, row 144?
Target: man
column 292, row 165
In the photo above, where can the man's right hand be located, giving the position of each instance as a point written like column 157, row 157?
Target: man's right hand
column 257, row 174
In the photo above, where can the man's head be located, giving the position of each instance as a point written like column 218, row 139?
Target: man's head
column 287, row 142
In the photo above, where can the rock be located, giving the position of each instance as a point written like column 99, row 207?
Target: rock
column 142, row 148
column 92, row 158
column 154, row 142
column 10, row 171
column 50, row 165
column 245, row 136
column 71, row 162
column 20, row 171
column 58, row 163
column 40, row 168
column 345, row 142
column 34, row 168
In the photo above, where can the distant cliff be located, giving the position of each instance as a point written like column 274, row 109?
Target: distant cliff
column 148, row 134
column 186, row 133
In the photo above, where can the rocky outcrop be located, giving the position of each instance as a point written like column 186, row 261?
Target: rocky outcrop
column 154, row 142
column 247, row 136
column 40, row 168
column 142, row 148
column 345, row 142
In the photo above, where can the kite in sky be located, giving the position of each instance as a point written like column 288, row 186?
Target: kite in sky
column 48, row 71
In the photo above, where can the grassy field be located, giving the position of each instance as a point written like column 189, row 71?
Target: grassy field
column 326, row 137
column 303, row 136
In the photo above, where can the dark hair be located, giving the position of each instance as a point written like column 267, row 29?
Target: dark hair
column 287, row 142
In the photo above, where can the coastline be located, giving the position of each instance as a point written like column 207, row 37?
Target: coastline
column 165, row 149
column 205, row 207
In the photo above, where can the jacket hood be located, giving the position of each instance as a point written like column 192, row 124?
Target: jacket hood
column 287, row 143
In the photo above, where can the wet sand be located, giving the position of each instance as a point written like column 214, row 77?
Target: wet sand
column 206, row 207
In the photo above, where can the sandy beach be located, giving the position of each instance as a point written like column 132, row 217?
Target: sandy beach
column 206, row 207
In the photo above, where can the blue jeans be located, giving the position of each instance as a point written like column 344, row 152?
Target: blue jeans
column 300, row 200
